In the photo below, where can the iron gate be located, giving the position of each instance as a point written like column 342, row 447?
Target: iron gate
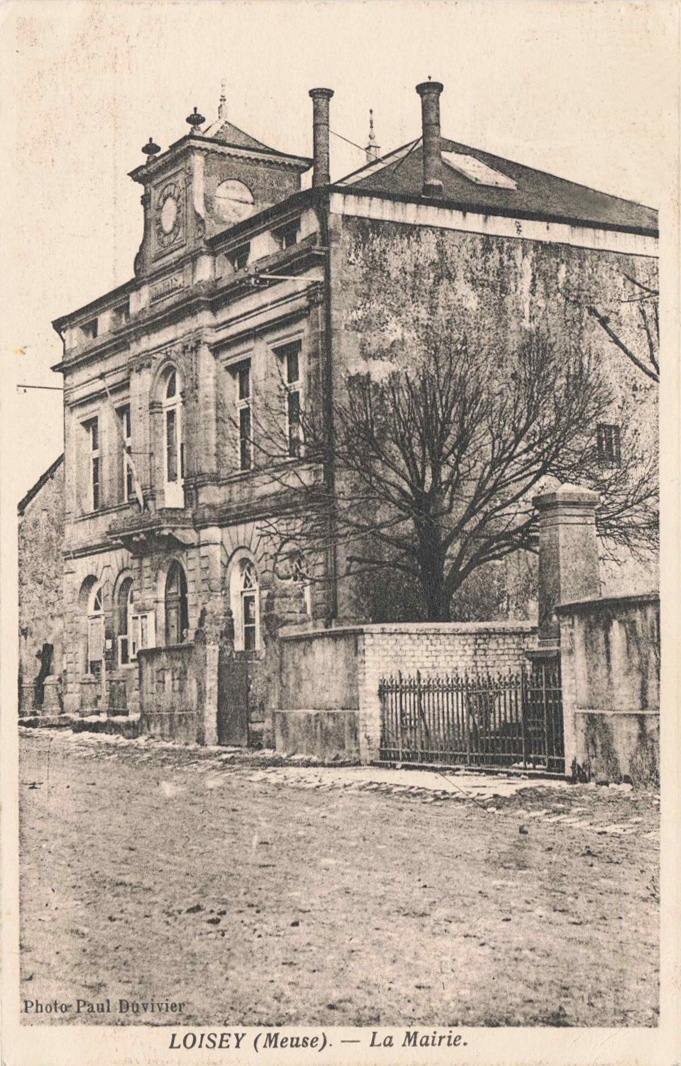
column 509, row 720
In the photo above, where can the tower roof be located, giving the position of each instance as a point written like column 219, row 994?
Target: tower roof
column 229, row 134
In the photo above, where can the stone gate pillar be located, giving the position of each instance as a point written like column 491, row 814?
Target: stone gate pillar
column 568, row 571
column 568, row 554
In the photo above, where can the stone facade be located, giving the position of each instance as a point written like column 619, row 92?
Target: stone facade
column 251, row 298
column 402, row 269
column 41, row 633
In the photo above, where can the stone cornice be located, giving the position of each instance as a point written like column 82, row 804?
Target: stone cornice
column 148, row 172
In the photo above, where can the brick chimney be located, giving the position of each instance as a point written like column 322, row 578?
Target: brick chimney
column 429, row 91
column 320, row 127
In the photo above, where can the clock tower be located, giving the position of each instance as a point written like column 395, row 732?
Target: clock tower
column 212, row 178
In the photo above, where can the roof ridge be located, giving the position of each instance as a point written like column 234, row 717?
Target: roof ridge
column 33, row 492
column 214, row 129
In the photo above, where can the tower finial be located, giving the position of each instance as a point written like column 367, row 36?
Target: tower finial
column 222, row 107
column 372, row 149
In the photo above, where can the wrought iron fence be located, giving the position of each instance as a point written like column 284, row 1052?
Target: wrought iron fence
column 483, row 720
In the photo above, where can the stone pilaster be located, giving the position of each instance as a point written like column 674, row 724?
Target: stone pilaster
column 568, row 554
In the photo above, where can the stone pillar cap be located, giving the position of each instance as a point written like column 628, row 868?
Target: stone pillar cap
column 572, row 495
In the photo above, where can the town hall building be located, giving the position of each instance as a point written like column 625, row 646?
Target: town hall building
column 252, row 298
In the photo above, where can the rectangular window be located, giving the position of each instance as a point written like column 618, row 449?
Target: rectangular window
column 290, row 356
column 239, row 257
column 287, row 235
column 142, row 633
column 250, row 621
column 293, row 420
column 121, row 315
column 245, row 438
column 94, row 464
column 243, row 401
column 243, row 381
column 126, row 435
column 95, row 643
column 90, row 329
column 171, row 445
column 608, row 443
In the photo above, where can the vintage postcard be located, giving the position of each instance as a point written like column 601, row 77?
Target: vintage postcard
column 340, row 532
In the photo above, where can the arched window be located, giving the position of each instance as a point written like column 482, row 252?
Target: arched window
column 249, row 606
column 176, row 611
column 123, row 621
column 173, row 446
column 95, row 631
column 244, row 597
column 302, row 580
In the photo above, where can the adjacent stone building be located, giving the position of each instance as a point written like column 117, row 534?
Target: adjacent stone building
column 252, row 295
column 41, row 567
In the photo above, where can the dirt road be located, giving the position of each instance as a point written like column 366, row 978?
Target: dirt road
column 258, row 894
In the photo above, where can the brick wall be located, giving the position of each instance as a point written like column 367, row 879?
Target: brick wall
column 328, row 670
column 433, row 650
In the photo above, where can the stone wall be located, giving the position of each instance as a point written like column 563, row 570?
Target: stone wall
column 610, row 661
column 178, row 692
column 329, row 679
column 41, row 536
column 399, row 278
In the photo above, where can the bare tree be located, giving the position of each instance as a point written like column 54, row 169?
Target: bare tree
column 436, row 465
column 646, row 297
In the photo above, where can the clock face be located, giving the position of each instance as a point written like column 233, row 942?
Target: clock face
column 233, row 201
column 169, row 215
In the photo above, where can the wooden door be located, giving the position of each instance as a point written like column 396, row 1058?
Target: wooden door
column 232, row 700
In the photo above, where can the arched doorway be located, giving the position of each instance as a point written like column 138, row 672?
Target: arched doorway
column 176, row 610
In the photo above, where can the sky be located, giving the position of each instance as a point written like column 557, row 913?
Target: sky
column 584, row 90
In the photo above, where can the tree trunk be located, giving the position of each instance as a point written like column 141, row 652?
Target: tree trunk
column 432, row 559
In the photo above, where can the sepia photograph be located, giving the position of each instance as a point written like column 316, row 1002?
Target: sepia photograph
column 340, row 441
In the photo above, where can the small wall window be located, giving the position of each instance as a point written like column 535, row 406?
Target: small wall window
column 90, row 329
column 173, row 445
column 94, row 468
column 240, row 256
column 242, row 374
column 287, row 235
column 609, row 445
column 121, row 315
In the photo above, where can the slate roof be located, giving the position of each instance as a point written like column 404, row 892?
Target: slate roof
column 536, row 194
column 228, row 133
